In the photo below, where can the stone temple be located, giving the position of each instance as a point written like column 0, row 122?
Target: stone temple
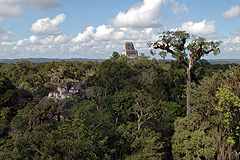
column 129, row 50
column 69, row 89
column 66, row 90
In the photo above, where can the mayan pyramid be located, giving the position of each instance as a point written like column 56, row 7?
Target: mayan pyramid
column 129, row 50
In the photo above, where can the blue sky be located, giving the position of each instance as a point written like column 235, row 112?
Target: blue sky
column 96, row 28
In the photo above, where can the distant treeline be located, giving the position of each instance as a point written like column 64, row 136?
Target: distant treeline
column 43, row 60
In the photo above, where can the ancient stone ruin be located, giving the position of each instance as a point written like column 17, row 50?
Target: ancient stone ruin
column 67, row 90
column 129, row 50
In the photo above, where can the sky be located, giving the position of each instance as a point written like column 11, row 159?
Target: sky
column 97, row 28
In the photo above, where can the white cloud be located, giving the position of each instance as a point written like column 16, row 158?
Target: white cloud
column 236, row 40
column 85, row 36
column 231, row 46
column 22, row 42
column 178, row 7
column 233, row 41
column 234, row 11
column 60, row 39
column 75, row 48
column 143, row 15
column 104, row 32
column 109, row 33
column 46, row 26
column 99, row 42
column 13, row 8
column 34, row 40
column 47, row 41
column 203, row 28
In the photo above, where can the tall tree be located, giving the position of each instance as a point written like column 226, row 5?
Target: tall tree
column 175, row 43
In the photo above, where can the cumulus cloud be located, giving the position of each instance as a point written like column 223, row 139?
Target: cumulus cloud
column 60, row 39
column 13, row 8
column 204, row 27
column 104, row 32
column 178, row 7
column 49, row 47
column 85, row 36
column 231, row 46
column 109, row 33
column 22, row 42
column 94, row 42
column 34, row 40
column 233, row 41
column 234, row 11
column 143, row 15
column 46, row 26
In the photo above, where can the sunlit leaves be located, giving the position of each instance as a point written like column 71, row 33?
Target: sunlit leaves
column 228, row 105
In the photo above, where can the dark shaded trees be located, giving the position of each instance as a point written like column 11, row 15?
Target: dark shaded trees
column 70, row 140
column 112, row 76
column 12, row 99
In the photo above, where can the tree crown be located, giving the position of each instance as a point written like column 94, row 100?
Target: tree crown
column 178, row 42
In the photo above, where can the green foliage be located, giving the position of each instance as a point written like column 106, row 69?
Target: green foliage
column 15, row 98
column 112, row 76
column 135, row 109
column 146, row 145
column 169, row 83
column 193, row 145
column 175, row 43
column 172, row 39
column 115, row 55
column 5, row 84
column 71, row 140
column 205, row 45
column 35, row 76
column 200, row 70
column 228, row 106
column 215, row 117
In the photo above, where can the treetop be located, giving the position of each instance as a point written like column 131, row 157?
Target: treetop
column 177, row 43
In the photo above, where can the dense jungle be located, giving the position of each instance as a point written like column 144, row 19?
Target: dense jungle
column 135, row 109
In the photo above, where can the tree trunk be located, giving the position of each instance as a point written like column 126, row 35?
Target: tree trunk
column 189, row 88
